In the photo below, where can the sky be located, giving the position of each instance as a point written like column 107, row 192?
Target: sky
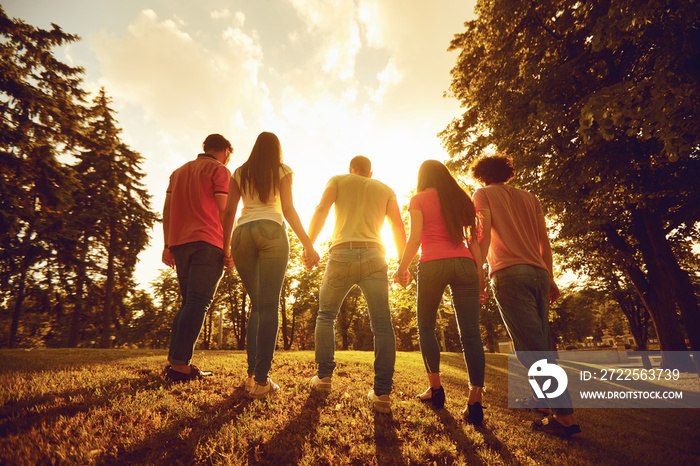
column 332, row 78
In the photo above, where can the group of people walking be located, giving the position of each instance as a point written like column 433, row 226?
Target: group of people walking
column 502, row 225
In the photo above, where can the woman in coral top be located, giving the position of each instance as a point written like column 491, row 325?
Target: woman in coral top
column 442, row 219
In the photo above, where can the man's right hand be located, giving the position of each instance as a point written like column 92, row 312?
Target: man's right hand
column 168, row 258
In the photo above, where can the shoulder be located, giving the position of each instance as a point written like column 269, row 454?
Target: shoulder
column 285, row 170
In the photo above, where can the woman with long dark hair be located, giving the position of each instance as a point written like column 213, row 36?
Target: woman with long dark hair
column 259, row 248
column 443, row 226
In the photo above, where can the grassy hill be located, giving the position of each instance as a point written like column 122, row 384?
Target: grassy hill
column 90, row 406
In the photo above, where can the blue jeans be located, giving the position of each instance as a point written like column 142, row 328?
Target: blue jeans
column 260, row 251
column 461, row 276
column 365, row 267
column 199, row 267
column 522, row 295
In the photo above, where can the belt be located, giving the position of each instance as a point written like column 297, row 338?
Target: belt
column 358, row 245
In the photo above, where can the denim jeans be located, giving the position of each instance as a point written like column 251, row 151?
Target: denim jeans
column 461, row 276
column 365, row 267
column 522, row 295
column 199, row 267
column 260, row 251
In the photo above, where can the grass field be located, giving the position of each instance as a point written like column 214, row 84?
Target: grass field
column 113, row 407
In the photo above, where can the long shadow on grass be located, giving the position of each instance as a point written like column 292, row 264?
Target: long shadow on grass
column 287, row 445
column 464, row 444
column 17, row 417
column 177, row 444
column 387, row 443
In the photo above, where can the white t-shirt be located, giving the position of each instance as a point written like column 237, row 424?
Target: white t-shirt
column 254, row 209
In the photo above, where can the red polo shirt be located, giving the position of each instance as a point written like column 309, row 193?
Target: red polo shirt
column 194, row 214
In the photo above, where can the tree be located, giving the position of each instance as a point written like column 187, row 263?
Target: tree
column 40, row 104
column 597, row 103
column 113, row 212
column 299, row 300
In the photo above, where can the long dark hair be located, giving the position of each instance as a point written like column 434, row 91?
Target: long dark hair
column 455, row 204
column 260, row 173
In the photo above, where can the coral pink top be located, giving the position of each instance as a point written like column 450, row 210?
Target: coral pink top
column 435, row 240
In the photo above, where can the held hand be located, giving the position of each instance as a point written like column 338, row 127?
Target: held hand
column 553, row 292
column 402, row 279
column 228, row 263
column 311, row 258
column 483, row 296
column 168, row 258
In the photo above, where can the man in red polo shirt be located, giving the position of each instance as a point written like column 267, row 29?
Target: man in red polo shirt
column 194, row 240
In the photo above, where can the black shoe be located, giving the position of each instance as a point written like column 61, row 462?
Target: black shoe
column 437, row 397
column 195, row 374
column 474, row 414
column 551, row 426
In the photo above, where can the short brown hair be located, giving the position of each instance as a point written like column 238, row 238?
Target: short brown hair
column 215, row 142
column 491, row 169
column 361, row 164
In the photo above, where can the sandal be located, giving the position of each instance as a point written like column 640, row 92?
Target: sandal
column 437, row 397
column 533, row 404
column 550, row 425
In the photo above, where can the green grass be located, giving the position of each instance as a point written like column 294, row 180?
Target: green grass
column 113, row 407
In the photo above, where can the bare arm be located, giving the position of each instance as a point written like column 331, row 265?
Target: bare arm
column 413, row 242
column 167, row 257
column 290, row 213
column 321, row 213
column 546, row 252
column 228, row 215
column 475, row 250
column 393, row 214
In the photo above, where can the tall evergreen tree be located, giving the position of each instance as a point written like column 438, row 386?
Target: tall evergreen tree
column 40, row 117
column 113, row 213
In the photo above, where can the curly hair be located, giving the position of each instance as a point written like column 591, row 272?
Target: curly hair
column 496, row 168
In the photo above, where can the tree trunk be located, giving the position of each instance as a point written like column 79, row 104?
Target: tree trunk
column 106, row 341
column 77, row 317
column 674, row 277
column 658, row 301
column 19, row 300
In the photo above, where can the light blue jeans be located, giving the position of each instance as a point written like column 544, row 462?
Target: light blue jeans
column 522, row 295
column 365, row 267
column 260, row 251
column 199, row 266
column 461, row 276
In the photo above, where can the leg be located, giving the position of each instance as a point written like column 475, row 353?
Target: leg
column 204, row 268
column 272, row 265
column 465, row 300
column 522, row 293
column 375, row 287
column 245, row 256
column 431, row 285
column 336, row 284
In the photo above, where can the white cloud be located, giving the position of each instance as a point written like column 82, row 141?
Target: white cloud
column 220, row 14
column 188, row 88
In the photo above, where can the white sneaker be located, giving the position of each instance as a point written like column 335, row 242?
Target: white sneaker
column 248, row 383
column 262, row 391
column 381, row 403
column 321, row 384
